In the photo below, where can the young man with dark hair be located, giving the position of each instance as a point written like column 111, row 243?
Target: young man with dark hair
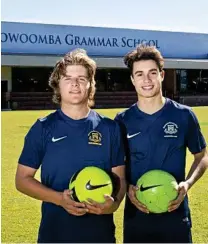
column 157, row 131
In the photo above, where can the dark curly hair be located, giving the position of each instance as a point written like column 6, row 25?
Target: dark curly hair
column 144, row 52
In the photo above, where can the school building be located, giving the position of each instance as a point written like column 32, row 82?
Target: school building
column 29, row 52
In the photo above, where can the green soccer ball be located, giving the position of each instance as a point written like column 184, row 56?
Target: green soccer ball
column 156, row 189
column 91, row 182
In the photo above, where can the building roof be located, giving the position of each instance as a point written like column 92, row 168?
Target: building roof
column 45, row 39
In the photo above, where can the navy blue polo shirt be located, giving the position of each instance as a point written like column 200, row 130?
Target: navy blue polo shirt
column 62, row 146
column 159, row 141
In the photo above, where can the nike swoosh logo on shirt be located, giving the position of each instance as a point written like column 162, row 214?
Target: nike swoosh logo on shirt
column 58, row 139
column 133, row 135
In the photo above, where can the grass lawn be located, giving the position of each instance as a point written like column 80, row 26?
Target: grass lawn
column 21, row 214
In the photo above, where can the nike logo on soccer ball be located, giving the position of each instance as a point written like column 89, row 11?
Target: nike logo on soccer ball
column 94, row 187
column 58, row 139
column 133, row 135
column 147, row 187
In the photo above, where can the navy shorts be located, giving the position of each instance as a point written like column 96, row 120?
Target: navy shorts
column 153, row 228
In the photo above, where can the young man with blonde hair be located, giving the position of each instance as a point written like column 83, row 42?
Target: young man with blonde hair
column 157, row 132
column 61, row 144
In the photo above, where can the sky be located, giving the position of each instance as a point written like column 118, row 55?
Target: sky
column 167, row 15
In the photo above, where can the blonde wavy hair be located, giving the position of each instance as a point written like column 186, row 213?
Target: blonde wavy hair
column 75, row 57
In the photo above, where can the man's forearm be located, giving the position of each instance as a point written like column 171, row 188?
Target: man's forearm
column 122, row 191
column 197, row 170
column 35, row 189
column 120, row 195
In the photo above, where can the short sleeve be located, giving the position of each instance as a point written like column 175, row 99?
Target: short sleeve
column 32, row 152
column 117, row 149
column 118, row 119
column 195, row 140
column 123, row 132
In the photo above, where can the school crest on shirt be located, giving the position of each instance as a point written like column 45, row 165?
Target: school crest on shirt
column 95, row 138
column 170, row 129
